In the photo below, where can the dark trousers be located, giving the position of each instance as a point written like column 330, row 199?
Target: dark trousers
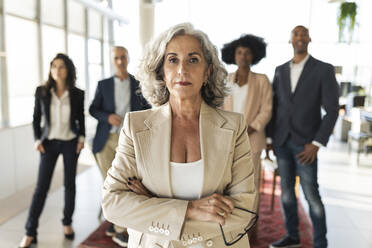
column 53, row 148
column 289, row 166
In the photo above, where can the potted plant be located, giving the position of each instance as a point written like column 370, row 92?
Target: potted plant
column 346, row 19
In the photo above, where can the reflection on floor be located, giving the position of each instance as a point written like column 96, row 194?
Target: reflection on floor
column 346, row 191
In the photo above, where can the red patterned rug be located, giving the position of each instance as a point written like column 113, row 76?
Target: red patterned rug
column 270, row 224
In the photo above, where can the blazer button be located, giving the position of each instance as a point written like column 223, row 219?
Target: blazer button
column 209, row 243
column 166, row 232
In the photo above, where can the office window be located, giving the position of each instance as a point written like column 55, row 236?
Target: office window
column 53, row 12
column 95, row 75
column 94, row 51
column 76, row 51
column 107, row 59
column 53, row 43
column 76, row 17
column 95, row 24
column 22, row 66
column 95, row 65
column 25, row 8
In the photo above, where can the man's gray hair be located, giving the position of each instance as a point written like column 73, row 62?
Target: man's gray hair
column 150, row 72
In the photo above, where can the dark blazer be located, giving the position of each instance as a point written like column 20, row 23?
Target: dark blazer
column 104, row 104
column 299, row 114
column 42, row 112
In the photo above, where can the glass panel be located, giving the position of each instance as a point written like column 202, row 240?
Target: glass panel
column 53, row 12
column 94, row 24
column 53, row 43
column 94, row 51
column 128, row 35
column 76, row 17
column 76, row 51
column 107, row 59
column 25, row 8
column 23, row 67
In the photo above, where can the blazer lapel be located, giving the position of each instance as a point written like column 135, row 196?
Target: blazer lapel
column 216, row 143
column 251, row 98
column 287, row 80
column 111, row 92
column 154, row 145
column 47, row 102
column 72, row 104
column 305, row 72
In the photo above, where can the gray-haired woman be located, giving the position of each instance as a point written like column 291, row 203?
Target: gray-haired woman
column 183, row 167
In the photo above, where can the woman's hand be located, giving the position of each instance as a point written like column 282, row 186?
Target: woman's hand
column 137, row 187
column 79, row 147
column 213, row 208
column 40, row 148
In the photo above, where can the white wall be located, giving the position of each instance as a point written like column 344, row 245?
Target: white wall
column 18, row 160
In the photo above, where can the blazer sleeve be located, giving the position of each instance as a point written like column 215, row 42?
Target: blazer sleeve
column 126, row 208
column 81, row 115
column 96, row 107
column 271, row 123
column 36, row 121
column 329, row 98
column 241, row 190
column 266, row 105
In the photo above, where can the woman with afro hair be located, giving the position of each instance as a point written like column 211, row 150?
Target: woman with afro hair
column 250, row 94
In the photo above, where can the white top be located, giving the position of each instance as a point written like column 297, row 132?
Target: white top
column 187, row 182
column 122, row 99
column 60, row 114
column 296, row 70
column 187, row 179
column 239, row 95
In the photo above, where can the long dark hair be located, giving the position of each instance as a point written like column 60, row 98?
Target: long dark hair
column 71, row 73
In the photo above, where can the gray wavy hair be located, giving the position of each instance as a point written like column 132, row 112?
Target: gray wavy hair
column 150, row 72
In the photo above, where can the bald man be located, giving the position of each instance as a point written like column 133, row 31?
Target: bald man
column 114, row 97
column 301, row 88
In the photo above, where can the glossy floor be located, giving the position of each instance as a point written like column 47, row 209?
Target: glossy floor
column 346, row 190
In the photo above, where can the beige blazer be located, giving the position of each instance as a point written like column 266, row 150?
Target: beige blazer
column 258, row 107
column 144, row 151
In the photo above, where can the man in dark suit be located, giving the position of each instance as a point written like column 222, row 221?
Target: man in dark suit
column 302, row 87
column 114, row 97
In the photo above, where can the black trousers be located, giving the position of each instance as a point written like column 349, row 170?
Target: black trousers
column 53, row 148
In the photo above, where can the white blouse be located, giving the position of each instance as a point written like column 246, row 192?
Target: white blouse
column 60, row 114
column 239, row 95
column 187, row 182
column 187, row 179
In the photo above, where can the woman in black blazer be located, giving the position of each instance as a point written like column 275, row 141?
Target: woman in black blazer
column 59, row 128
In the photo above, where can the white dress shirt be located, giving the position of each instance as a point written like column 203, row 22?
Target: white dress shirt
column 60, row 115
column 296, row 70
column 122, row 100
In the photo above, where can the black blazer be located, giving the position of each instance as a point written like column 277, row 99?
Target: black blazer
column 42, row 111
column 298, row 114
column 103, row 105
